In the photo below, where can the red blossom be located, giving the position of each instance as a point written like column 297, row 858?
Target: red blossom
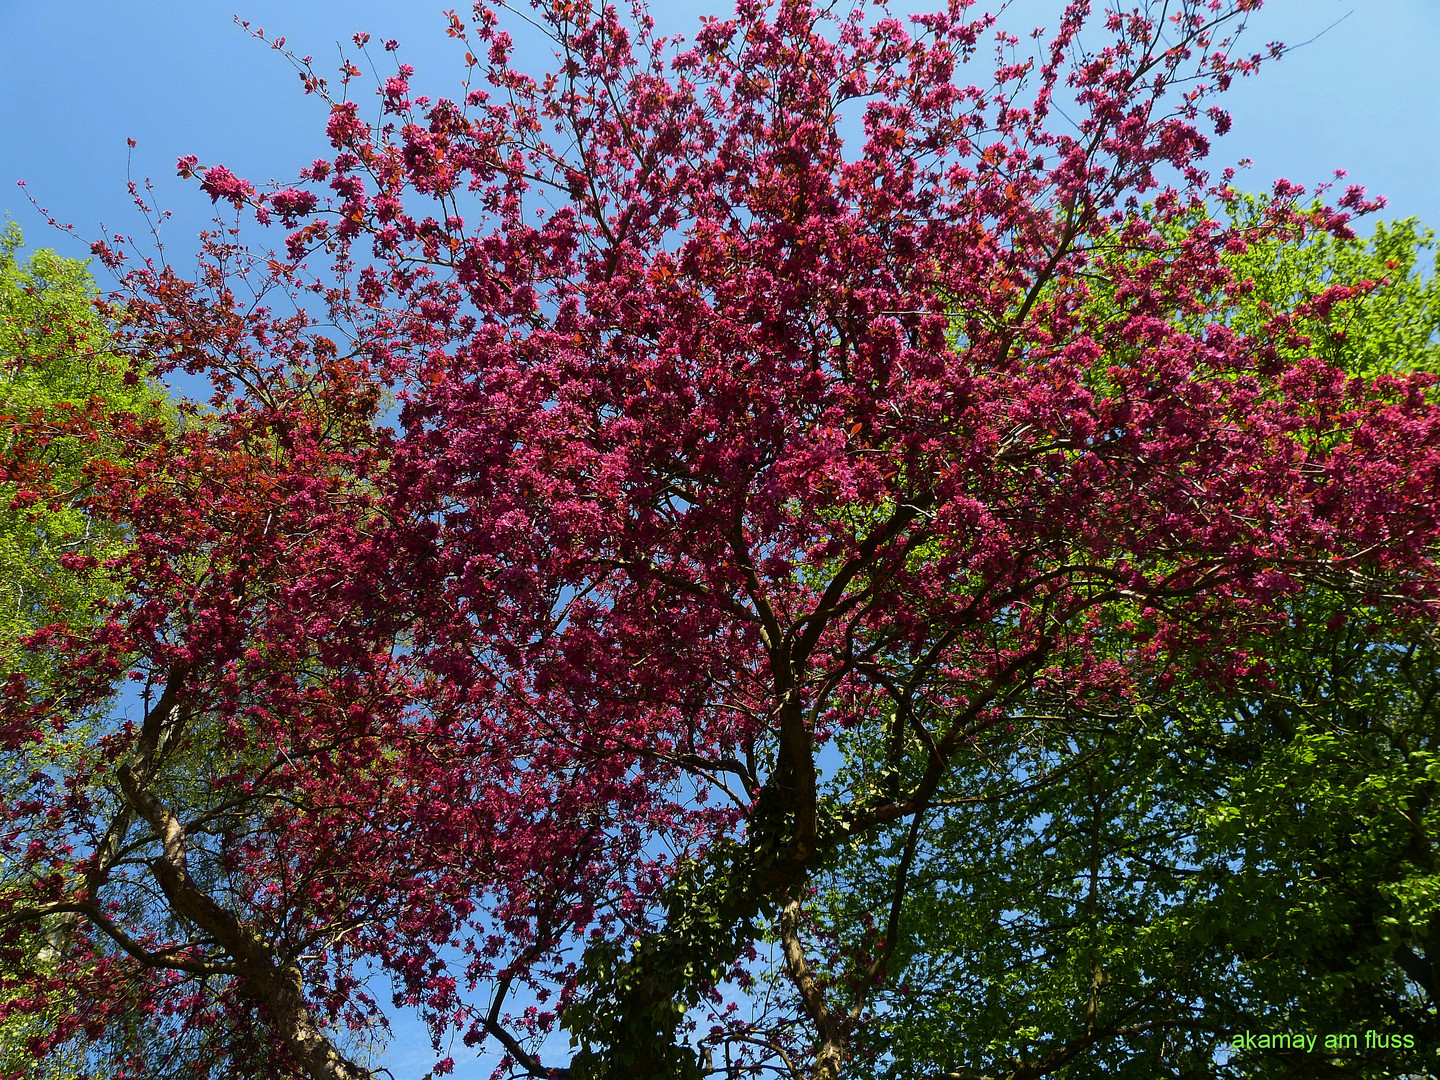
column 658, row 455
column 220, row 183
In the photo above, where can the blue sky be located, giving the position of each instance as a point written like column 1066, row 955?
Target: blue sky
column 178, row 76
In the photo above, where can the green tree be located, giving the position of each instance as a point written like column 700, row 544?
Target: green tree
column 1227, row 846
column 54, row 365
column 57, row 373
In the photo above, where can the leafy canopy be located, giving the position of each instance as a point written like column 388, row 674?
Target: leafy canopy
column 55, row 364
column 721, row 438
column 1142, row 878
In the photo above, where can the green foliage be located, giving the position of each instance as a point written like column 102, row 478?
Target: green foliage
column 1388, row 327
column 626, row 1027
column 54, row 363
column 1133, row 886
column 1385, row 322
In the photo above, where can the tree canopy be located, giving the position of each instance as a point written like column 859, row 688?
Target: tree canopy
column 1143, row 879
column 56, row 365
column 741, row 549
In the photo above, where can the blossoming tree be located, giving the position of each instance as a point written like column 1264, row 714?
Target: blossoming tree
column 600, row 448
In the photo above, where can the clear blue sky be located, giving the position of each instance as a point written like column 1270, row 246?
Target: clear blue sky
column 79, row 77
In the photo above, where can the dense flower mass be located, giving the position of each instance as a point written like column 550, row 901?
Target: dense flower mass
column 606, row 448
